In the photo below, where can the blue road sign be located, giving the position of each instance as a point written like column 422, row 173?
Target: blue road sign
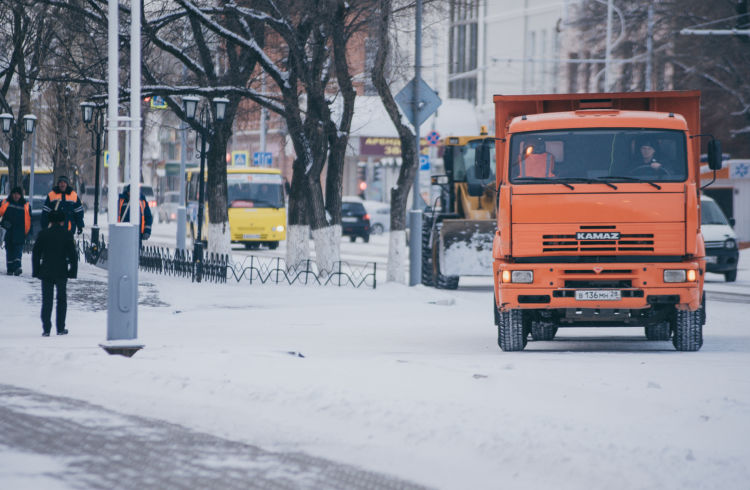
column 424, row 162
column 427, row 103
column 262, row 159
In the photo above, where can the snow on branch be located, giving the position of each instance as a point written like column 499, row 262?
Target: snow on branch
column 281, row 77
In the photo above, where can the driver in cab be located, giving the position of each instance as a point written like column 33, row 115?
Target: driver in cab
column 535, row 161
column 646, row 159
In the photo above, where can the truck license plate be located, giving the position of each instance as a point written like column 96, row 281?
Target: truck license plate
column 711, row 259
column 598, row 295
column 250, row 237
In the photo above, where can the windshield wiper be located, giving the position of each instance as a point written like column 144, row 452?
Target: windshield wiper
column 528, row 180
column 631, row 179
column 585, row 180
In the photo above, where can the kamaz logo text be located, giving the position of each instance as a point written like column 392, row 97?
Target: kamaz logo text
column 606, row 235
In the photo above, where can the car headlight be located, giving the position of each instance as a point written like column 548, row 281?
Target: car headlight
column 680, row 275
column 730, row 243
column 523, row 277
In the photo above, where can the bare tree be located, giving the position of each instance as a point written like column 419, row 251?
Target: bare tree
column 302, row 47
column 718, row 65
column 25, row 34
column 399, row 193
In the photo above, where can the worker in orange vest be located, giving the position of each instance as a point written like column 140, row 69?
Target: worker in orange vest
column 535, row 161
column 16, row 221
column 65, row 199
column 123, row 213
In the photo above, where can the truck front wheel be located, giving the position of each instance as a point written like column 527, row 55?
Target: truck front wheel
column 687, row 330
column 511, row 331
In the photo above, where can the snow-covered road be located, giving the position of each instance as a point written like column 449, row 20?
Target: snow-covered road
column 406, row 381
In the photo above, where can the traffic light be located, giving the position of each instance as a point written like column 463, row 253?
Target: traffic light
column 361, row 179
column 378, row 173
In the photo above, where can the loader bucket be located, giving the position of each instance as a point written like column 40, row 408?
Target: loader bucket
column 465, row 247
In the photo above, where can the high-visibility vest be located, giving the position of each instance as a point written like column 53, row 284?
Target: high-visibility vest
column 7, row 203
column 65, row 202
column 537, row 165
column 125, row 210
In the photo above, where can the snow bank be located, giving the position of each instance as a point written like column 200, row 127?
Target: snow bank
column 406, row 381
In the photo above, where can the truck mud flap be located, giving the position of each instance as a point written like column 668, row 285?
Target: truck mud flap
column 465, row 247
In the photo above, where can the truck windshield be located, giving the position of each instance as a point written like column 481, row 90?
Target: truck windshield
column 591, row 155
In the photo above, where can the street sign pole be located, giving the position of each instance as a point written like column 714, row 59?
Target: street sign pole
column 415, row 216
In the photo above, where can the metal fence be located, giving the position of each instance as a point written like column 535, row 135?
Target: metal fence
column 252, row 269
column 274, row 270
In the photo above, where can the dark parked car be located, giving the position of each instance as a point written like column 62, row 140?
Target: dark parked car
column 355, row 222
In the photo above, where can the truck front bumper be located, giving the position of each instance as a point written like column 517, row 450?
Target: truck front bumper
column 597, row 286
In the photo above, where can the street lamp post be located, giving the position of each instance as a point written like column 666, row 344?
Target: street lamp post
column 93, row 118
column 20, row 130
column 205, row 129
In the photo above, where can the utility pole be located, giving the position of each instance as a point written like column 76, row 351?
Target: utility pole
column 650, row 48
column 263, row 116
column 608, row 49
column 122, row 263
column 415, row 215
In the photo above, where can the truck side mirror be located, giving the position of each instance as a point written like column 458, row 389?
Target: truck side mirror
column 732, row 222
column 714, row 154
column 482, row 160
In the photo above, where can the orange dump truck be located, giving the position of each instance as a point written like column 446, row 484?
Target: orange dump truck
column 598, row 220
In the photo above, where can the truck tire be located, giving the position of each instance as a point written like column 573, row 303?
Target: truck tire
column 730, row 276
column 703, row 310
column 511, row 332
column 660, row 331
column 687, row 331
column 543, row 330
column 427, row 278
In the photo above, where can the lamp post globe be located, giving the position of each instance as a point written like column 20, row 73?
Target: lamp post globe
column 87, row 111
column 220, row 107
column 189, row 105
column 29, row 123
column 5, row 120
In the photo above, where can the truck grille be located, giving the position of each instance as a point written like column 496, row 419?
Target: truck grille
column 719, row 244
column 640, row 242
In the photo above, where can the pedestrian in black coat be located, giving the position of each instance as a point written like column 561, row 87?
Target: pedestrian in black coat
column 54, row 260
column 16, row 221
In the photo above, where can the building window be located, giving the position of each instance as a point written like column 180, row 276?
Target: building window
column 463, row 50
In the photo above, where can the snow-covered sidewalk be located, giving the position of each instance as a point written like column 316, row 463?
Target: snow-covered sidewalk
column 404, row 381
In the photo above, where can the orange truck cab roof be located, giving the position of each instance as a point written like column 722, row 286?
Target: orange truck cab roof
column 592, row 118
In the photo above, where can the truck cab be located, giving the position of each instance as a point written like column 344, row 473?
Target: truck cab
column 598, row 220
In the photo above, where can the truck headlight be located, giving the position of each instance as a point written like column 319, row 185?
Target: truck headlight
column 675, row 275
column 730, row 243
column 680, row 275
column 523, row 277
column 279, row 228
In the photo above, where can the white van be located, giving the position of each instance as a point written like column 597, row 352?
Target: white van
column 720, row 239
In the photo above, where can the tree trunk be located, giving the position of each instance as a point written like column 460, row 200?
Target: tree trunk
column 219, row 238
column 399, row 194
